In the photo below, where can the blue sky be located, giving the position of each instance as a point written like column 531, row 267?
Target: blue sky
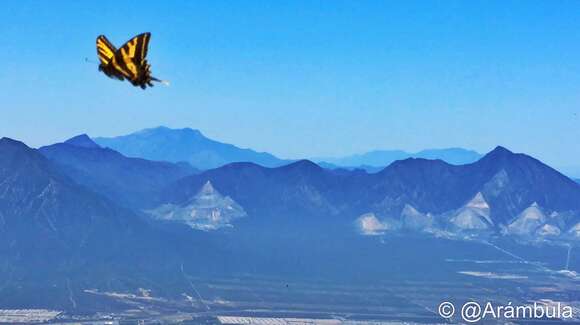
column 301, row 79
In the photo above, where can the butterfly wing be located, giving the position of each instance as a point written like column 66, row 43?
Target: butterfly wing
column 105, row 50
column 131, row 57
column 127, row 62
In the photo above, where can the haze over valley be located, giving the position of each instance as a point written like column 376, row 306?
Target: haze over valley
column 87, row 228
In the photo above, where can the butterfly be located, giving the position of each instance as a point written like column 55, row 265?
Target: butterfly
column 128, row 62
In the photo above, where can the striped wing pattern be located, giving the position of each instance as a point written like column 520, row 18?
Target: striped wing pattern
column 105, row 50
column 128, row 62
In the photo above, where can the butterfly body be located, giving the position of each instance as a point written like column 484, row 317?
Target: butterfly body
column 128, row 62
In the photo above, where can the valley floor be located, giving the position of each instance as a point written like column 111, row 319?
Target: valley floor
column 406, row 287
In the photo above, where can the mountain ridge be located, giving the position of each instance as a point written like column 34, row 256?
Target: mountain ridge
column 186, row 144
column 37, row 199
column 381, row 158
column 82, row 140
column 507, row 181
column 131, row 182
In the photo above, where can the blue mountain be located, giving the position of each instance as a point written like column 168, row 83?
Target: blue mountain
column 82, row 141
column 62, row 235
column 509, row 182
column 132, row 182
column 373, row 160
column 56, row 236
column 178, row 145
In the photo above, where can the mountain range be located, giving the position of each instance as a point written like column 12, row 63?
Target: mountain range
column 503, row 182
column 77, row 216
column 191, row 146
column 373, row 160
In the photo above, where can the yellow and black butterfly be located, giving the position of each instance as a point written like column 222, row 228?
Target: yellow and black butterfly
column 128, row 62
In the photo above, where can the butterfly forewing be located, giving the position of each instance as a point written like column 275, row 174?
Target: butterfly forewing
column 131, row 56
column 105, row 50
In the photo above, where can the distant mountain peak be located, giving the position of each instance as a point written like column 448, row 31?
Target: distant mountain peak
column 160, row 128
column 166, row 130
column 14, row 148
column 417, row 162
column 499, row 151
column 8, row 142
column 190, row 145
column 502, row 149
column 303, row 164
column 501, row 156
column 383, row 158
column 190, row 130
column 82, row 140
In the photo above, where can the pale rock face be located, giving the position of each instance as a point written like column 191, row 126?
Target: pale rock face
column 415, row 220
column 207, row 210
column 369, row 224
column 474, row 215
column 478, row 202
column 496, row 184
column 575, row 231
column 548, row 230
column 528, row 222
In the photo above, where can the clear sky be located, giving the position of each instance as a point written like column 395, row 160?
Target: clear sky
column 301, row 79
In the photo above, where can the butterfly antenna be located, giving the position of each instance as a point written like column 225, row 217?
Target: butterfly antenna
column 164, row 82
column 89, row 61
